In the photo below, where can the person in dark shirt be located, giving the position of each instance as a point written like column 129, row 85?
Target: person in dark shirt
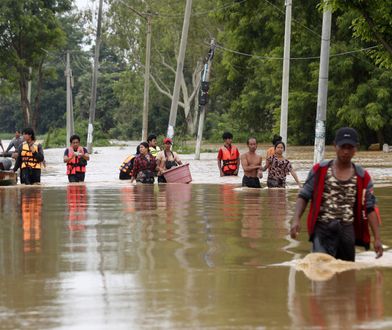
column 15, row 142
column 144, row 165
column 30, row 158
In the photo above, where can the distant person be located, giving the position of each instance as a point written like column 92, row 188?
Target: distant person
column 228, row 156
column 127, row 166
column 30, row 158
column 342, row 203
column 278, row 168
column 166, row 159
column 152, row 144
column 251, row 163
column 271, row 151
column 15, row 142
column 144, row 165
column 76, row 157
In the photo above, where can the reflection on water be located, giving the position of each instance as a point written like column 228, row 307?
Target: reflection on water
column 171, row 256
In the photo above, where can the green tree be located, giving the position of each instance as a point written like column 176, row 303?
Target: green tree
column 29, row 29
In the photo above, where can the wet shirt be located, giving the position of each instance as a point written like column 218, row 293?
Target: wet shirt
column 278, row 169
column 141, row 163
column 15, row 142
column 338, row 199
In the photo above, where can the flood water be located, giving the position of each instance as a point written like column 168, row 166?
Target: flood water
column 111, row 255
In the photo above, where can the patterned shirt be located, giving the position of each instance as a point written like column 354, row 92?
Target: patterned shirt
column 141, row 164
column 338, row 199
column 278, row 169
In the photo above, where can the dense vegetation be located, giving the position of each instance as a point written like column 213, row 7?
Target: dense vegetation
column 245, row 91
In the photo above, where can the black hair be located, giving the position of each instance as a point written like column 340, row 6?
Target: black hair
column 138, row 150
column 29, row 131
column 227, row 135
column 282, row 143
column 151, row 137
column 276, row 139
column 17, row 130
column 144, row 144
column 74, row 137
column 250, row 138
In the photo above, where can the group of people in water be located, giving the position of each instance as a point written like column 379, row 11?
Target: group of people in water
column 341, row 195
column 278, row 166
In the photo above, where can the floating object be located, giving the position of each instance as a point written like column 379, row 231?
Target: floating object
column 178, row 174
column 8, row 178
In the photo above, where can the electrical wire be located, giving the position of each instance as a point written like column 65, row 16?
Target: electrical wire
column 291, row 58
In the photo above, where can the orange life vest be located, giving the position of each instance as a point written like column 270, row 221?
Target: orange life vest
column 73, row 165
column 28, row 160
column 127, row 165
column 229, row 159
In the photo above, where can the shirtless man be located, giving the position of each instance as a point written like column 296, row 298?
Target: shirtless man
column 251, row 163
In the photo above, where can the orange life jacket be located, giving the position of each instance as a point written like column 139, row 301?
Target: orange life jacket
column 229, row 159
column 28, row 160
column 74, row 165
column 127, row 164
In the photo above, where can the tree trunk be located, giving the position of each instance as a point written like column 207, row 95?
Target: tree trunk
column 37, row 100
column 380, row 137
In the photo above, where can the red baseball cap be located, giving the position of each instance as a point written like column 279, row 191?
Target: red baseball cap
column 167, row 140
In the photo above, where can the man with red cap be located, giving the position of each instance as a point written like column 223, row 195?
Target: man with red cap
column 343, row 204
column 166, row 159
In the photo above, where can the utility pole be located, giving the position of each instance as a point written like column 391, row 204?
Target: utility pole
column 70, row 117
column 180, row 66
column 204, row 97
column 319, row 140
column 286, row 73
column 146, row 80
column 93, row 100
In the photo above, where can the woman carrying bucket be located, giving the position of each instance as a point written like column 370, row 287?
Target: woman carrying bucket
column 166, row 159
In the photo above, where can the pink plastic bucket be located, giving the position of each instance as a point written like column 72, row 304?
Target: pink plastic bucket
column 178, row 174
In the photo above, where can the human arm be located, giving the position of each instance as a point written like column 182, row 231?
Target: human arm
column 375, row 227
column 300, row 207
column 177, row 159
column 220, row 167
column 1, row 145
column 39, row 154
column 10, row 146
column 246, row 166
column 238, row 163
column 292, row 172
column 18, row 161
column 267, row 164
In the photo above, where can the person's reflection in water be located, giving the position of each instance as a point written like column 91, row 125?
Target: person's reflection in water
column 31, row 205
column 344, row 302
column 77, row 206
column 251, row 220
column 229, row 203
column 277, row 209
column 173, row 200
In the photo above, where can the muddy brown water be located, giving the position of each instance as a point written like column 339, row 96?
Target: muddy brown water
column 110, row 255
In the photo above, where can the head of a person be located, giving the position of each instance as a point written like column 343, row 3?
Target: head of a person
column 152, row 140
column 143, row 148
column 251, row 143
column 17, row 134
column 138, row 150
column 346, row 143
column 279, row 147
column 28, row 134
column 227, row 137
column 167, row 142
column 276, row 139
column 75, row 141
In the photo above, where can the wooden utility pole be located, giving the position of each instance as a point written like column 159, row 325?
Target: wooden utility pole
column 70, row 117
column 180, row 66
column 93, row 100
column 146, row 80
column 322, row 96
column 286, row 73
column 204, row 98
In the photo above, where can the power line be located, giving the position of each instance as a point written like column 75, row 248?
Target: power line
column 292, row 58
column 162, row 15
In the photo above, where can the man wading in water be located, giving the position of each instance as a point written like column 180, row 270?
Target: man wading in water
column 342, row 203
column 251, row 163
